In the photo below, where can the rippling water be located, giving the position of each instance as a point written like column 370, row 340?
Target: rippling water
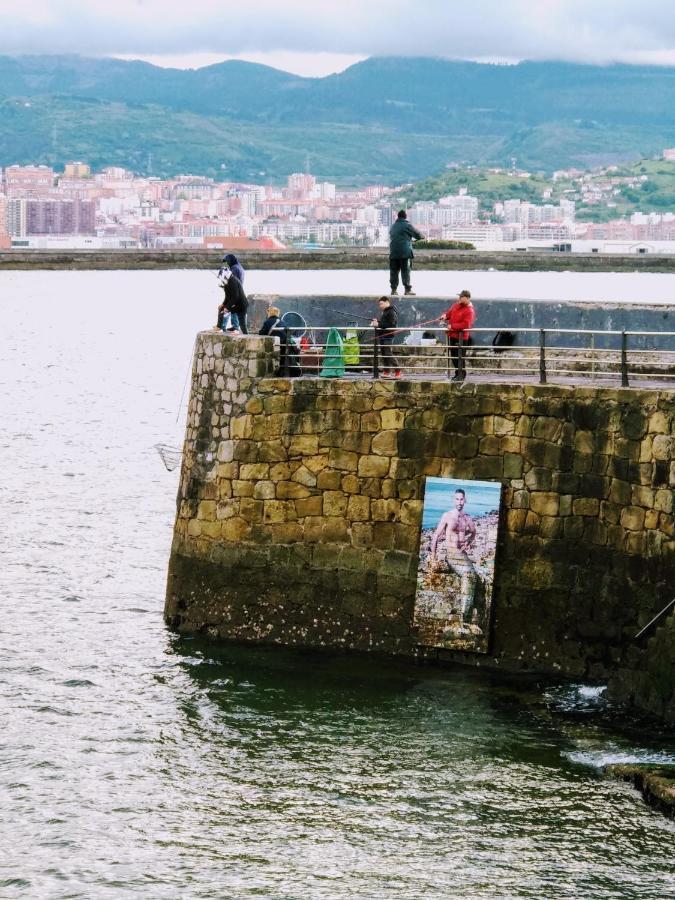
column 134, row 764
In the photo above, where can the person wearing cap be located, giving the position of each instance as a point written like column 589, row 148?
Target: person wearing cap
column 401, row 236
column 459, row 319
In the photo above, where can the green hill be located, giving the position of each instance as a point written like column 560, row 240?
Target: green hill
column 387, row 119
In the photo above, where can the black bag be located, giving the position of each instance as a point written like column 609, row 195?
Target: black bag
column 502, row 341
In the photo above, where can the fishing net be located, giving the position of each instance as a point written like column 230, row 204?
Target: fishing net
column 170, row 456
column 295, row 322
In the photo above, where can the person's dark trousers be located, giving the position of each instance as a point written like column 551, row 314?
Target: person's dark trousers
column 460, row 368
column 396, row 266
column 389, row 361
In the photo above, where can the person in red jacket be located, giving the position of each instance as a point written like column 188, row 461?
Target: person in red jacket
column 459, row 318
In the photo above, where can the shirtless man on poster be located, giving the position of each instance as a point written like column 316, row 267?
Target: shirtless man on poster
column 460, row 532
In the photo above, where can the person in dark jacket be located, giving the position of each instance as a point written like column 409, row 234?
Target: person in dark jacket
column 233, row 264
column 401, row 236
column 234, row 302
column 386, row 331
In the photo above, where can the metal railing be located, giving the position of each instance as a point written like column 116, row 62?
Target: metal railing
column 542, row 355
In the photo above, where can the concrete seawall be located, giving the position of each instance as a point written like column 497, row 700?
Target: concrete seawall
column 300, row 503
column 349, row 258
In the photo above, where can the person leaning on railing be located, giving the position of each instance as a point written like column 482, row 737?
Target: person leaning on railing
column 460, row 319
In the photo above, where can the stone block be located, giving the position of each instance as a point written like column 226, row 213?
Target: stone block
column 383, row 535
column 513, row 465
column 253, row 471
column 409, row 443
column 280, row 472
column 488, row 467
column 586, row 506
column 342, row 459
column 385, row 510
column 663, row 447
column 358, row 509
column 291, row 490
column 335, row 503
column 385, row 444
column 610, row 512
column 241, row 427
column 633, row 518
column 392, row 418
column 573, row 527
column 286, row 533
column 547, row 428
column 521, row 500
column 235, row 530
column 329, row 480
column 303, row 445
column 373, row 466
column 371, row 421
column 583, row 462
column 317, row 463
column 389, row 488
column 551, row 527
column 371, row 487
column 538, row 479
column 659, row 423
column 663, row 501
column 502, row 425
column 396, row 563
column 251, row 510
column 271, row 451
column 303, row 476
column 642, row 496
column 565, row 508
column 490, row 445
column 264, row 490
column 620, row 492
column 254, row 405
column 350, row 484
column 515, row 520
column 636, row 543
column 406, row 538
column 246, row 451
column 411, row 512
column 362, row 535
column 544, row 503
column 225, row 451
column 336, row 529
column 652, row 518
column 357, row 441
column 194, row 528
column 276, row 511
column 310, row 506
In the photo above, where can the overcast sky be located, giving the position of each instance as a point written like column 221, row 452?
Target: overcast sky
column 315, row 37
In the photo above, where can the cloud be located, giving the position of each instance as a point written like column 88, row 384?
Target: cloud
column 597, row 31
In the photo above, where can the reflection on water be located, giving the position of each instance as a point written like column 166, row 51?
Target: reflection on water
column 133, row 763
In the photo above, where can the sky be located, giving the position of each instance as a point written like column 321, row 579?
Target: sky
column 318, row 37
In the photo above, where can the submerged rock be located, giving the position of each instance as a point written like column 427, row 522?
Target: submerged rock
column 657, row 783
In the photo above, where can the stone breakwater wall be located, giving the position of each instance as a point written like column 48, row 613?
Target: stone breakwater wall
column 300, row 507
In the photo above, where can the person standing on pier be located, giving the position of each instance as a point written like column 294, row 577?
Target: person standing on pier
column 459, row 318
column 386, row 332
column 231, row 261
column 401, row 236
column 234, row 302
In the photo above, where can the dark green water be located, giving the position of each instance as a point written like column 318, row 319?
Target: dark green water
column 134, row 764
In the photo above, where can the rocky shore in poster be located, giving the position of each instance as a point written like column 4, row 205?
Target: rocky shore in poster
column 454, row 595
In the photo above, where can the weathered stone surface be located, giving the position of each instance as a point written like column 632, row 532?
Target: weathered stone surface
column 300, row 499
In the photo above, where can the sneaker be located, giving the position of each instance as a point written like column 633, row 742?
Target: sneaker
column 398, row 374
column 458, row 378
column 410, row 293
column 394, row 293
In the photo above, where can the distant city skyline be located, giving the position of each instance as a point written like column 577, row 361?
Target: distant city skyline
column 294, row 37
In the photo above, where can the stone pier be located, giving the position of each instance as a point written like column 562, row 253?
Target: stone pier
column 300, row 504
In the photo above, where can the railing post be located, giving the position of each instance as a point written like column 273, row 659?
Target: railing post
column 376, row 370
column 624, row 359
column 284, row 365
column 447, row 353
column 542, row 356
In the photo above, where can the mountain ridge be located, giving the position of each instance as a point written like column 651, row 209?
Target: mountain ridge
column 246, row 118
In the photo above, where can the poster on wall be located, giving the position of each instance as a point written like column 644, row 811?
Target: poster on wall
column 453, row 603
